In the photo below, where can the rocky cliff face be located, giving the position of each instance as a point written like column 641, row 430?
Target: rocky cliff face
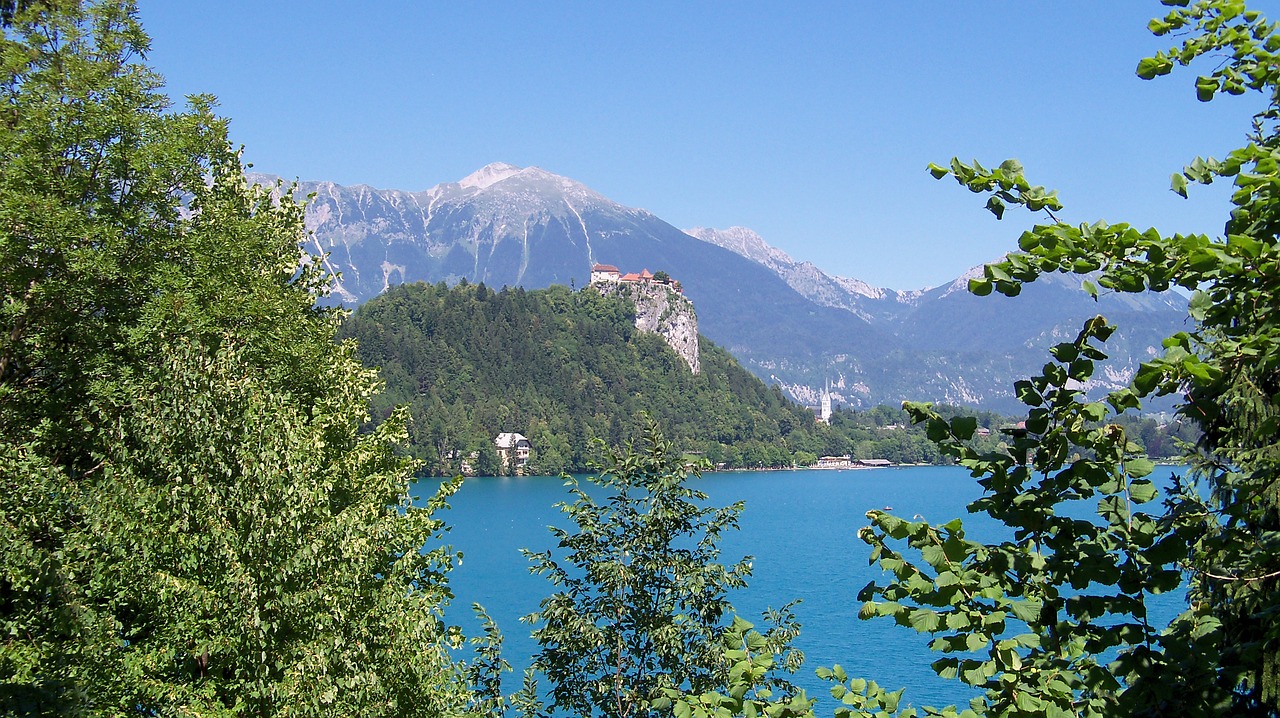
column 662, row 311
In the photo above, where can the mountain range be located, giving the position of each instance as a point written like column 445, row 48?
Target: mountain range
column 786, row 321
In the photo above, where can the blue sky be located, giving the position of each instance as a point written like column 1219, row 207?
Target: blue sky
column 811, row 123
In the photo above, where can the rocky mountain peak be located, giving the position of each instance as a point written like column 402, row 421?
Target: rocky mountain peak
column 961, row 283
column 488, row 175
column 745, row 242
column 806, row 278
column 500, row 178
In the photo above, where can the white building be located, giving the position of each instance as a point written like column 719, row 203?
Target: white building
column 605, row 273
column 823, row 415
column 513, row 449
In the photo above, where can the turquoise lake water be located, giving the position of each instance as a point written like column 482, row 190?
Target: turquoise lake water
column 801, row 528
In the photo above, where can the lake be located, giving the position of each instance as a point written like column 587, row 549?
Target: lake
column 801, row 528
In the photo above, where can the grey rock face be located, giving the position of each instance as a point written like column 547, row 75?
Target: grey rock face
column 502, row 225
column 662, row 311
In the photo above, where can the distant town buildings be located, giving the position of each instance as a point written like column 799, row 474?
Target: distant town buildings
column 848, row 462
column 609, row 274
column 875, row 463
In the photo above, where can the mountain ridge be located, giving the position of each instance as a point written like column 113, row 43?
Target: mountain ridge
column 786, row 321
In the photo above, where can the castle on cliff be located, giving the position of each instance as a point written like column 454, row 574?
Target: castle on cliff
column 609, row 274
column 660, row 307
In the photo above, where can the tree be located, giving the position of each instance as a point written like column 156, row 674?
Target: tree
column 192, row 521
column 1061, row 608
column 638, row 618
column 805, row 458
column 1081, row 585
column 488, row 463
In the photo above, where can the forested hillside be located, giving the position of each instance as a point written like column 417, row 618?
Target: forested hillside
column 561, row 368
column 564, row 367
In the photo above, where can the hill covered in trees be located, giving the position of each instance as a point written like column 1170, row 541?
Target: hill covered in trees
column 564, row 367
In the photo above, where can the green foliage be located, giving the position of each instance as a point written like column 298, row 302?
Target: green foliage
column 637, row 620
column 751, row 658
column 859, row 697
column 564, row 368
column 888, row 433
column 1065, row 590
column 1081, row 586
column 485, row 671
column 1161, row 439
column 487, row 461
column 192, row 521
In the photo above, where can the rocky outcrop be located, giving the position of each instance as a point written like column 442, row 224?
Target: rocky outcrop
column 663, row 311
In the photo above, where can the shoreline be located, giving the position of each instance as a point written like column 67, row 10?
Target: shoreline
column 762, row 469
column 816, row 468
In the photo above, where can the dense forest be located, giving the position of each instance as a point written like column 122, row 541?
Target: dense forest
column 564, row 368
